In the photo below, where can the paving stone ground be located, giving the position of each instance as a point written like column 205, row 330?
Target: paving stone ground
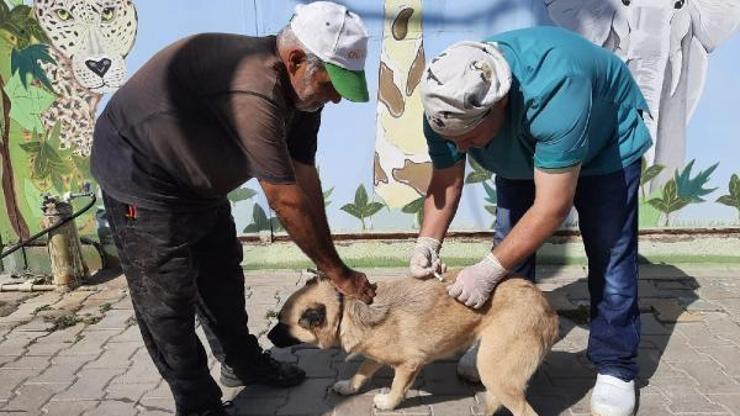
column 80, row 353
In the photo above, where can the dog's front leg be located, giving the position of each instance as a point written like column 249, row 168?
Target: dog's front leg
column 354, row 384
column 404, row 377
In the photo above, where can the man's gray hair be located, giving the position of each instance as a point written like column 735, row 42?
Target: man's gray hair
column 286, row 38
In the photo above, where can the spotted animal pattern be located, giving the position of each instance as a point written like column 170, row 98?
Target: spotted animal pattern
column 90, row 40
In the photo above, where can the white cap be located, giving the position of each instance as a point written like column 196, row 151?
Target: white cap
column 460, row 86
column 339, row 38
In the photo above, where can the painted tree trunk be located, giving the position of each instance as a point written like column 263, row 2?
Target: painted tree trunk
column 8, row 182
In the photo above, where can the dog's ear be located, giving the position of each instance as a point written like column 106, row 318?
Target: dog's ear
column 312, row 281
column 317, row 277
column 313, row 317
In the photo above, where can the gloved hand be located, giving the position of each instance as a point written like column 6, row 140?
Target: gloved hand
column 475, row 283
column 425, row 258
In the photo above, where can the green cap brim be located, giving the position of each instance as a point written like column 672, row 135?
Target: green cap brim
column 349, row 84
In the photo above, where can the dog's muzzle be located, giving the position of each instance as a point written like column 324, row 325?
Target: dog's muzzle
column 280, row 336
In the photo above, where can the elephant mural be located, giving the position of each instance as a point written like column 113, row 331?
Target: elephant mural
column 665, row 44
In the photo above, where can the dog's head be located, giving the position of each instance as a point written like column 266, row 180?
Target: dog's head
column 310, row 315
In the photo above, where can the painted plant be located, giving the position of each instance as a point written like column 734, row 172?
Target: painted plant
column 732, row 199
column 479, row 174
column 362, row 208
column 681, row 190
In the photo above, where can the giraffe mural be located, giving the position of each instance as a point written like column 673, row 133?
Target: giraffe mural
column 402, row 168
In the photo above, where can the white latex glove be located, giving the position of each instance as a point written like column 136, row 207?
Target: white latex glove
column 475, row 283
column 425, row 259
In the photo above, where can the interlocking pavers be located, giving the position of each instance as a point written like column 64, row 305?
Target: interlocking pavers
column 688, row 355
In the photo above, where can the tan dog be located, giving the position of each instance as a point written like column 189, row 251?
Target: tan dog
column 413, row 322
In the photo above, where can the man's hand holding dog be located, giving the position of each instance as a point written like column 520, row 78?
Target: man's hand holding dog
column 425, row 259
column 354, row 284
column 475, row 283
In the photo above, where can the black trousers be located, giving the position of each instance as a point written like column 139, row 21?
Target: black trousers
column 177, row 265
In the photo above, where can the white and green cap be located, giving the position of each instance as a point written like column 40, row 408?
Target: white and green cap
column 339, row 38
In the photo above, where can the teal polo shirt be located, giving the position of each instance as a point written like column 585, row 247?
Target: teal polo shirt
column 571, row 102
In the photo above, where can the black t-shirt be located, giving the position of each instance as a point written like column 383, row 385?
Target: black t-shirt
column 201, row 117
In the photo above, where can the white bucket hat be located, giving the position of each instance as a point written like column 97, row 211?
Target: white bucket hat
column 460, row 86
column 339, row 38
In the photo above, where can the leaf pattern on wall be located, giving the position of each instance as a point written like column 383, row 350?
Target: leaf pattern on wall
column 362, row 208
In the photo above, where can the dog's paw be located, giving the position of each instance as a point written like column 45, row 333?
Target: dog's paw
column 344, row 387
column 385, row 402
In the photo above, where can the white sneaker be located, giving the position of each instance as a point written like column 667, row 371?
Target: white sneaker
column 466, row 367
column 612, row 397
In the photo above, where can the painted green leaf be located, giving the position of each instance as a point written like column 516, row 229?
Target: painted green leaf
column 260, row 222
column 479, row 173
column 276, row 225
column 327, row 194
column 491, row 193
column 414, row 206
column 476, row 166
column 670, row 201
column 650, row 173
column 26, row 62
column 82, row 164
column 251, row 229
column 477, row 177
column 27, row 104
column 352, row 210
column 21, row 24
column 491, row 209
column 260, row 218
column 693, row 188
column 241, row 194
column 372, row 209
column 361, row 196
column 48, row 162
column 727, row 200
column 733, row 198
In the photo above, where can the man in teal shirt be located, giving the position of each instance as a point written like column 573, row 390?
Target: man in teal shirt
column 559, row 120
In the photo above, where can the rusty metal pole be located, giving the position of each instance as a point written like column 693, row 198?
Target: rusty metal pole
column 68, row 268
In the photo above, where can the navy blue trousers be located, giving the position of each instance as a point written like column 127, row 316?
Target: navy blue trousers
column 607, row 211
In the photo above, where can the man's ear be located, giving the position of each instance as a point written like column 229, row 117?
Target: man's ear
column 296, row 59
column 313, row 317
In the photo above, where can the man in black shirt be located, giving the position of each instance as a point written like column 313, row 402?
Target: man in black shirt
column 200, row 118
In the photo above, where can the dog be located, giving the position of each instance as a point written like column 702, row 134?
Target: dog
column 413, row 322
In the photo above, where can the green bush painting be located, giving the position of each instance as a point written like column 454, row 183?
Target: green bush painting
column 732, row 199
column 481, row 175
column 362, row 208
column 260, row 222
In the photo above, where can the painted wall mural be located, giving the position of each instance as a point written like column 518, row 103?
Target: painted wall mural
column 58, row 59
column 401, row 166
column 666, row 46
column 373, row 159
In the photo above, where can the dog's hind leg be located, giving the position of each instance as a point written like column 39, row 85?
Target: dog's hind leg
column 404, row 377
column 354, row 384
column 505, row 369
column 492, row 403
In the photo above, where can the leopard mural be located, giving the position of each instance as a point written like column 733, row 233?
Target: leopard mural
column 90, row 40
